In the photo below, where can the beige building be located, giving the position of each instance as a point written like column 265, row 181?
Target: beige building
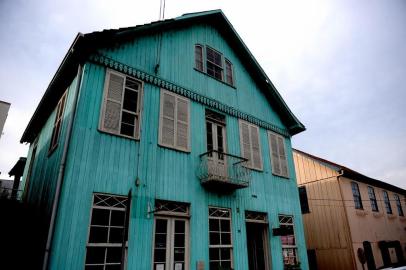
column 348, row 216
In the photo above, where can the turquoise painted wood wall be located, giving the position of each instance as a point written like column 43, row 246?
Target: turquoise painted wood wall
column 45, row 167
column 99, row 162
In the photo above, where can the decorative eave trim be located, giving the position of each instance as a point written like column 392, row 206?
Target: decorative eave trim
column 170, row 86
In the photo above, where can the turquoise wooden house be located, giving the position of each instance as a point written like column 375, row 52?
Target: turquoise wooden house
column 165, row 146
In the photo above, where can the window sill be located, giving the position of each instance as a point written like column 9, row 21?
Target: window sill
column 223, row 82
column 119, row 135
column 281, row 176
column 174, row 148
column 377, row 214
column 52, row 150
column 391, row 216
column 361, row 212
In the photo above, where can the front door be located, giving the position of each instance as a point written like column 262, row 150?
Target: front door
column 216, row 134
column 257, row 241
column 170, row 244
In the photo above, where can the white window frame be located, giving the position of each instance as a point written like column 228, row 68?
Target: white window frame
column 139, row 105
column 231, row 245
column 295, row 247
column 222, row 63
column 60, row 111
column 279, row 155
column 177, row 97
column 171, row 217
column 251, row 164
column 106, row 245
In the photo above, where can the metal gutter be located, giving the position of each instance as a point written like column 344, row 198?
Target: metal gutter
column 61, row 171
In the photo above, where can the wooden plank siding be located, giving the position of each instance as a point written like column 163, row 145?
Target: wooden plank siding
column 326, row 228
column 100, row 162
column 45, row 168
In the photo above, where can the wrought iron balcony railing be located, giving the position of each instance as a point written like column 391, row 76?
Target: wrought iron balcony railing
column 223, row 172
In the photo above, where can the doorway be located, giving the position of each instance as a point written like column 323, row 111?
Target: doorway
column 216, row 142
column 257, row 242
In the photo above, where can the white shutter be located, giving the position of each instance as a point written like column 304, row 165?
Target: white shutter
column 168, row 103
column 273, row 144
column 282, row 156
column 245, row 142
column 182, row 128
column 256, row 149
column 174, row 121
column 112, row 103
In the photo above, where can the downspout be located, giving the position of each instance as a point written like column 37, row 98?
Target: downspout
column 346, row 219
column 61, row 171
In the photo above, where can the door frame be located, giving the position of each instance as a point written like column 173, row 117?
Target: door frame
column 265, row 239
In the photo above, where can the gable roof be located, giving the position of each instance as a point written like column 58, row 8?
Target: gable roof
column 354, row 175
column 85, row 44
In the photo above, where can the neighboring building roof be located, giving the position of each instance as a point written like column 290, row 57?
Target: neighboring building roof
column 349, row 173
column 18, row 168
column 84, row 45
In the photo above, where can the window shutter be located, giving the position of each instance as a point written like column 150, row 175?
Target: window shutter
column 282, row 156
column 182, row 132
column 245, row 142
column 274, row 153
column 168, row 120
column 256, row 150
column 112, row 109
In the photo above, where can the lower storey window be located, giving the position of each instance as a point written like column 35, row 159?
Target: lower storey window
column 220, row 245
column 105, row 243
column 289, row 248
column 171, row 237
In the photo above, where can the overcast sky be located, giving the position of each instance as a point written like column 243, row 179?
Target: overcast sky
column 339, row 65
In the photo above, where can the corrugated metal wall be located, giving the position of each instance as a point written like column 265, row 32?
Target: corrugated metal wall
column 100, row 162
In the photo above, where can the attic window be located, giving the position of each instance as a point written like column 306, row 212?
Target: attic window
column 229, row 73
column 214, row 63
column 199, row 57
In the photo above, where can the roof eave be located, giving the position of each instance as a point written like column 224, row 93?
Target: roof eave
column 70, row 59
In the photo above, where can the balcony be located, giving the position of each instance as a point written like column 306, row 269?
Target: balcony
column 223, row 172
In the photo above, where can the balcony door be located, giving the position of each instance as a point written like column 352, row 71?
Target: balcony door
column 216, row 142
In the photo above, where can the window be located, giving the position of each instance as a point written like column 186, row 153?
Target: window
column 121, row 105
column 199, row 57
column 357, row 195
column 56, row 131
column 250, row 145
column 399, row 205
column 220, row 243
column 278, row 155
column 171, row 234
column 289, row 248
column 106, row 233
column 229, row 73
column 214, row 63
column 388, row 207
column 304, row 202
column 174, row 121
column 372, row 198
